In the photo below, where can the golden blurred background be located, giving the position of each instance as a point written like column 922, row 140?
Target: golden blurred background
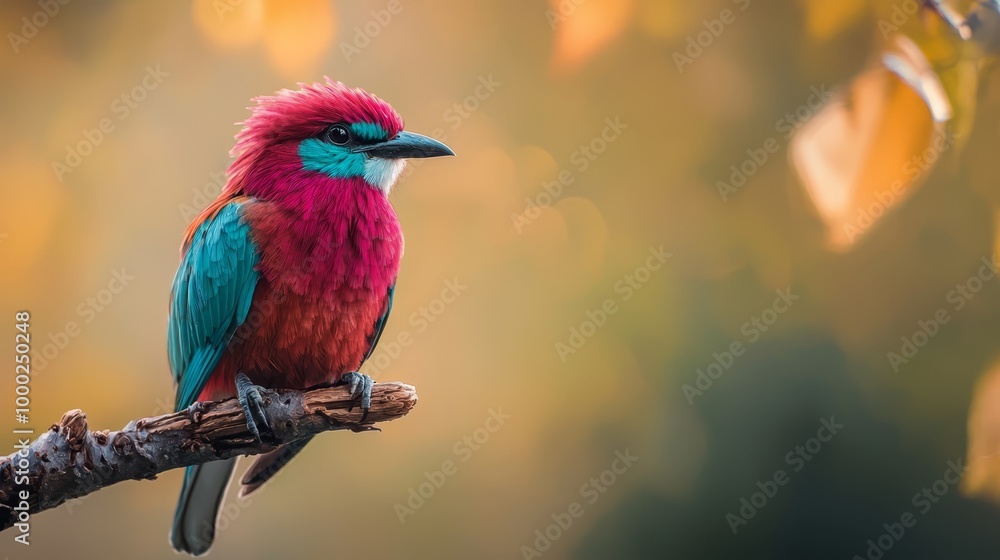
column 682, row 242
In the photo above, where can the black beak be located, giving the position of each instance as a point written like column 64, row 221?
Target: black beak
column 406, row 145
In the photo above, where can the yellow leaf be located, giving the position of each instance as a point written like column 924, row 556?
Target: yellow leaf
column 873, row 143
column 983, row 475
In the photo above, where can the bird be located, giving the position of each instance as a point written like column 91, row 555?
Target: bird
column 286, row 279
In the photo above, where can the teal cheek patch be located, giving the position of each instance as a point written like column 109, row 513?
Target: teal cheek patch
column 331, row 160
column 369, row 132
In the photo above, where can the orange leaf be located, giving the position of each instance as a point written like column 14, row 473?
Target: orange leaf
column 872, row 144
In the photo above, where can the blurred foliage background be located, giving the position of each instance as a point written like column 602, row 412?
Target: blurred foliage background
column 865, row 134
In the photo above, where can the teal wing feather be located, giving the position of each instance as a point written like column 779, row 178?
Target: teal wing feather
column 211, row 297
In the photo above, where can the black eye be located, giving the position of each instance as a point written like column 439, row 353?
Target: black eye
column 337, row 134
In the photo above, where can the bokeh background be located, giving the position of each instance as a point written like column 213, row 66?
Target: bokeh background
column 843, row 153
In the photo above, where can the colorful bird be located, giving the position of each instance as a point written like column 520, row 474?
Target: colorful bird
column 286, row 280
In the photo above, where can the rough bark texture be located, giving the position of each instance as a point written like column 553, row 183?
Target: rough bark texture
column 70, row 461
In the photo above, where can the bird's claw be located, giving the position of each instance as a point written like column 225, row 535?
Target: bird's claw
column 360, row 385
column 250, row 398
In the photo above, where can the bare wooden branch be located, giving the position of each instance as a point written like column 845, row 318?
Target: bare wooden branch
column 70, row 461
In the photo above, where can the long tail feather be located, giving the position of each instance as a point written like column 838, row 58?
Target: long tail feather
column 198, row 507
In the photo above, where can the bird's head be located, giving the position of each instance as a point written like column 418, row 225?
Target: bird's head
column 326, row 128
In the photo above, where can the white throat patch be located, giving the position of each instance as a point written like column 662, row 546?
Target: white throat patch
column 382, row 172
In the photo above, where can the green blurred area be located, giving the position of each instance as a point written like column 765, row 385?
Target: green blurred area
column 562, row 317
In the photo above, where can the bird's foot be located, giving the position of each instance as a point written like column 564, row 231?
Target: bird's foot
column 250, row 398
column 360, row 385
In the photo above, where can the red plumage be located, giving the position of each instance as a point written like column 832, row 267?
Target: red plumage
column 330, row 247
column 314, row 240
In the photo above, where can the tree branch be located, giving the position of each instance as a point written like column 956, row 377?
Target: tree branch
column 70, row 461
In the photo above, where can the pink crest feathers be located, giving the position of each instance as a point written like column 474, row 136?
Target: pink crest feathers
column 279, row 121
column 306, row 112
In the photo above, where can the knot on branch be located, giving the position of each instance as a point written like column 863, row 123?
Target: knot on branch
column 73, row 427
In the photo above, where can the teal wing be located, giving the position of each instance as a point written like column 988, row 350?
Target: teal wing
column 211, row 298
column 380, row 323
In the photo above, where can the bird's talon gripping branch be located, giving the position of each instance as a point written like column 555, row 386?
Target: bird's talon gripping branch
column 360, row 385
column 250, row 398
